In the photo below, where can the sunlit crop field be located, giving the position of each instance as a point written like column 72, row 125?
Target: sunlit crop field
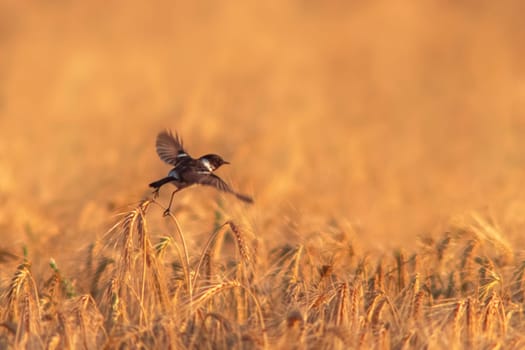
column 382, row 143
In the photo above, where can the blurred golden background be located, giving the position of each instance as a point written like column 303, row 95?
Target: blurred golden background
column 383, row 118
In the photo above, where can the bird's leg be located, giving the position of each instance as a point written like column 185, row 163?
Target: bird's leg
column 156, row 192
column 167, row 211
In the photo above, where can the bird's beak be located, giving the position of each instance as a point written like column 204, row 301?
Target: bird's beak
column 225, row 162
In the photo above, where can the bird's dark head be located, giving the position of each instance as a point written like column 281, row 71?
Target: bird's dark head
column 212, row 161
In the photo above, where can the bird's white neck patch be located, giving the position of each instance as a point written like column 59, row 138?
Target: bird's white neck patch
column 207, row 164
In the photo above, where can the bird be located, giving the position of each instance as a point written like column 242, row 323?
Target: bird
column 188, row 171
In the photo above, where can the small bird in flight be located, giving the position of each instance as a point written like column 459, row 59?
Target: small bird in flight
column 188, row 171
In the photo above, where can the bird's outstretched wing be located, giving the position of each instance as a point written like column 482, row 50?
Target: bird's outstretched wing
column 169, row 147
column 218, row 183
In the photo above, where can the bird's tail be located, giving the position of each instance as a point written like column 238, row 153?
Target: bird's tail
column 161, row 182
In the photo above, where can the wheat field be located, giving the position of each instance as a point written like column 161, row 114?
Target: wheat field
column 382, row 142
